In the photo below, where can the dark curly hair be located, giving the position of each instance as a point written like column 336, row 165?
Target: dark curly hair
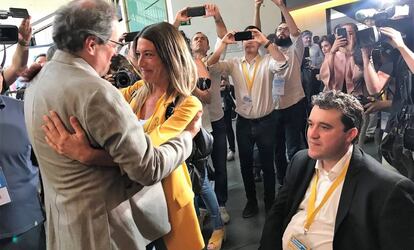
column 348, row 105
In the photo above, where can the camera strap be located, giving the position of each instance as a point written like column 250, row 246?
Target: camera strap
column 170, row 108
column 4, row 56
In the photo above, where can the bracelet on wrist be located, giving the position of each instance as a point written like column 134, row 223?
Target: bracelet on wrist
column 23, row 43
column 267, row 44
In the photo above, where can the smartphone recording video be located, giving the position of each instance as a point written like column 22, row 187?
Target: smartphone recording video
column 243, row 35
column 196, row 11
column 342, row 32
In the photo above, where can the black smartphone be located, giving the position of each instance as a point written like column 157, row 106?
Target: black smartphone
column 18, row 13
column 196, row 11
column 243, row 35
column 129, row 37
column 342, row 32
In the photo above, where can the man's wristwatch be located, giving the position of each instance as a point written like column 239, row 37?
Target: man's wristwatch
column 267, row 44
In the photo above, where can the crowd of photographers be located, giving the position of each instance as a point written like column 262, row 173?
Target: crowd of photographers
column 276, row 86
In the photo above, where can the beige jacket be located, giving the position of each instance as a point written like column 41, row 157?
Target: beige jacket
column 79, row 198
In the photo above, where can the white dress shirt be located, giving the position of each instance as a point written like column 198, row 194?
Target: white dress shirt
column 258, row 102
column 321, row 231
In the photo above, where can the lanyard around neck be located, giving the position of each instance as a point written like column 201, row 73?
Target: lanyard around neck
column 312, row 211
column 249, row 80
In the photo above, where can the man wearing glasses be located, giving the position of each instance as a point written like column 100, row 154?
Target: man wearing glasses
column 79, row 197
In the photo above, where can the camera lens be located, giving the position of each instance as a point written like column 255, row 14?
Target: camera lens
column 122, row 79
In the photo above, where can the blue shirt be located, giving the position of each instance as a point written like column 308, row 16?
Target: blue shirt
column 24, row 211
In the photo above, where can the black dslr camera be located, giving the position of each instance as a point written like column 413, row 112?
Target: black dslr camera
column 9, row 34
column 396, row 15
column 203, row 83
column 124, row 78
column 122, row 72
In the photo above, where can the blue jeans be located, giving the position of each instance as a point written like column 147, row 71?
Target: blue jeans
column 260, row 131
column 210, row 201
column 219, row 159
column 290, row 133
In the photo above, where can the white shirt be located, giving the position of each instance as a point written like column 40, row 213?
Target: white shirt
column 321, row 231
column 258, row 102
column 214, row 107
column 316, row 56
column 293, row 92
column 142, row 121
column 206, row 119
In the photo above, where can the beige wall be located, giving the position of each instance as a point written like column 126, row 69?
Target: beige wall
column 313, row 18
column 37, row 9
column 237, row 14
column 315, row 22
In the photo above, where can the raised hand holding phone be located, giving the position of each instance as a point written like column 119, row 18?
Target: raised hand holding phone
column 196, row 11
column 229, row 38
column 243, row 35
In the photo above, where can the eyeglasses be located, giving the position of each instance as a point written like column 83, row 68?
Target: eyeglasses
column 118, row 45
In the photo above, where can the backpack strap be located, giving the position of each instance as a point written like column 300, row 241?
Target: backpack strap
column 170, row 108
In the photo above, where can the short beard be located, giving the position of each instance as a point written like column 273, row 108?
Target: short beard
column 283, row 42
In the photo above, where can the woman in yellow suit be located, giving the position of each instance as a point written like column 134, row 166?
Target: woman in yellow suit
column 169, row 75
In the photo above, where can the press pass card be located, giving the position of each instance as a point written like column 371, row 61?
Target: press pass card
column 4, row 193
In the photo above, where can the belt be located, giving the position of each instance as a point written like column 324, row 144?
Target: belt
column 264, row 118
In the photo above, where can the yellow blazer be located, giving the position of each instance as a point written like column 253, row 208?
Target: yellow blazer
column 185, row 231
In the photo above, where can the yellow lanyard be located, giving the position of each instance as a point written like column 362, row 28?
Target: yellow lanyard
column 311, row 213
column 246, row 73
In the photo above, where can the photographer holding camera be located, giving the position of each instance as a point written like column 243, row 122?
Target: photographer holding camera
column 378, row 66
column 397, row 146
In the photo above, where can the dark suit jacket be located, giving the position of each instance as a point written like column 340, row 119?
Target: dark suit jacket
column 376, row 208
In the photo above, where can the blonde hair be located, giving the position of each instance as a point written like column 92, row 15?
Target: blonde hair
column 176, row 58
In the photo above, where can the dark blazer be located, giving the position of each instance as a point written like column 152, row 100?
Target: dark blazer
column 376, row 208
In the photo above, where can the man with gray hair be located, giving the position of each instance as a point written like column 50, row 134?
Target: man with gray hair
column 311, row 63
column 79, row 198
column 336, row 196
column 315, row 53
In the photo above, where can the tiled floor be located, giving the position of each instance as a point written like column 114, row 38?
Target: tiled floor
column 242, row 233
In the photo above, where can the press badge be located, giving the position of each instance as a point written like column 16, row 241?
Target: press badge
column 384, row 119
column 246, row 105
column 4, row 193
column 278, row 86
column 298, row 243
